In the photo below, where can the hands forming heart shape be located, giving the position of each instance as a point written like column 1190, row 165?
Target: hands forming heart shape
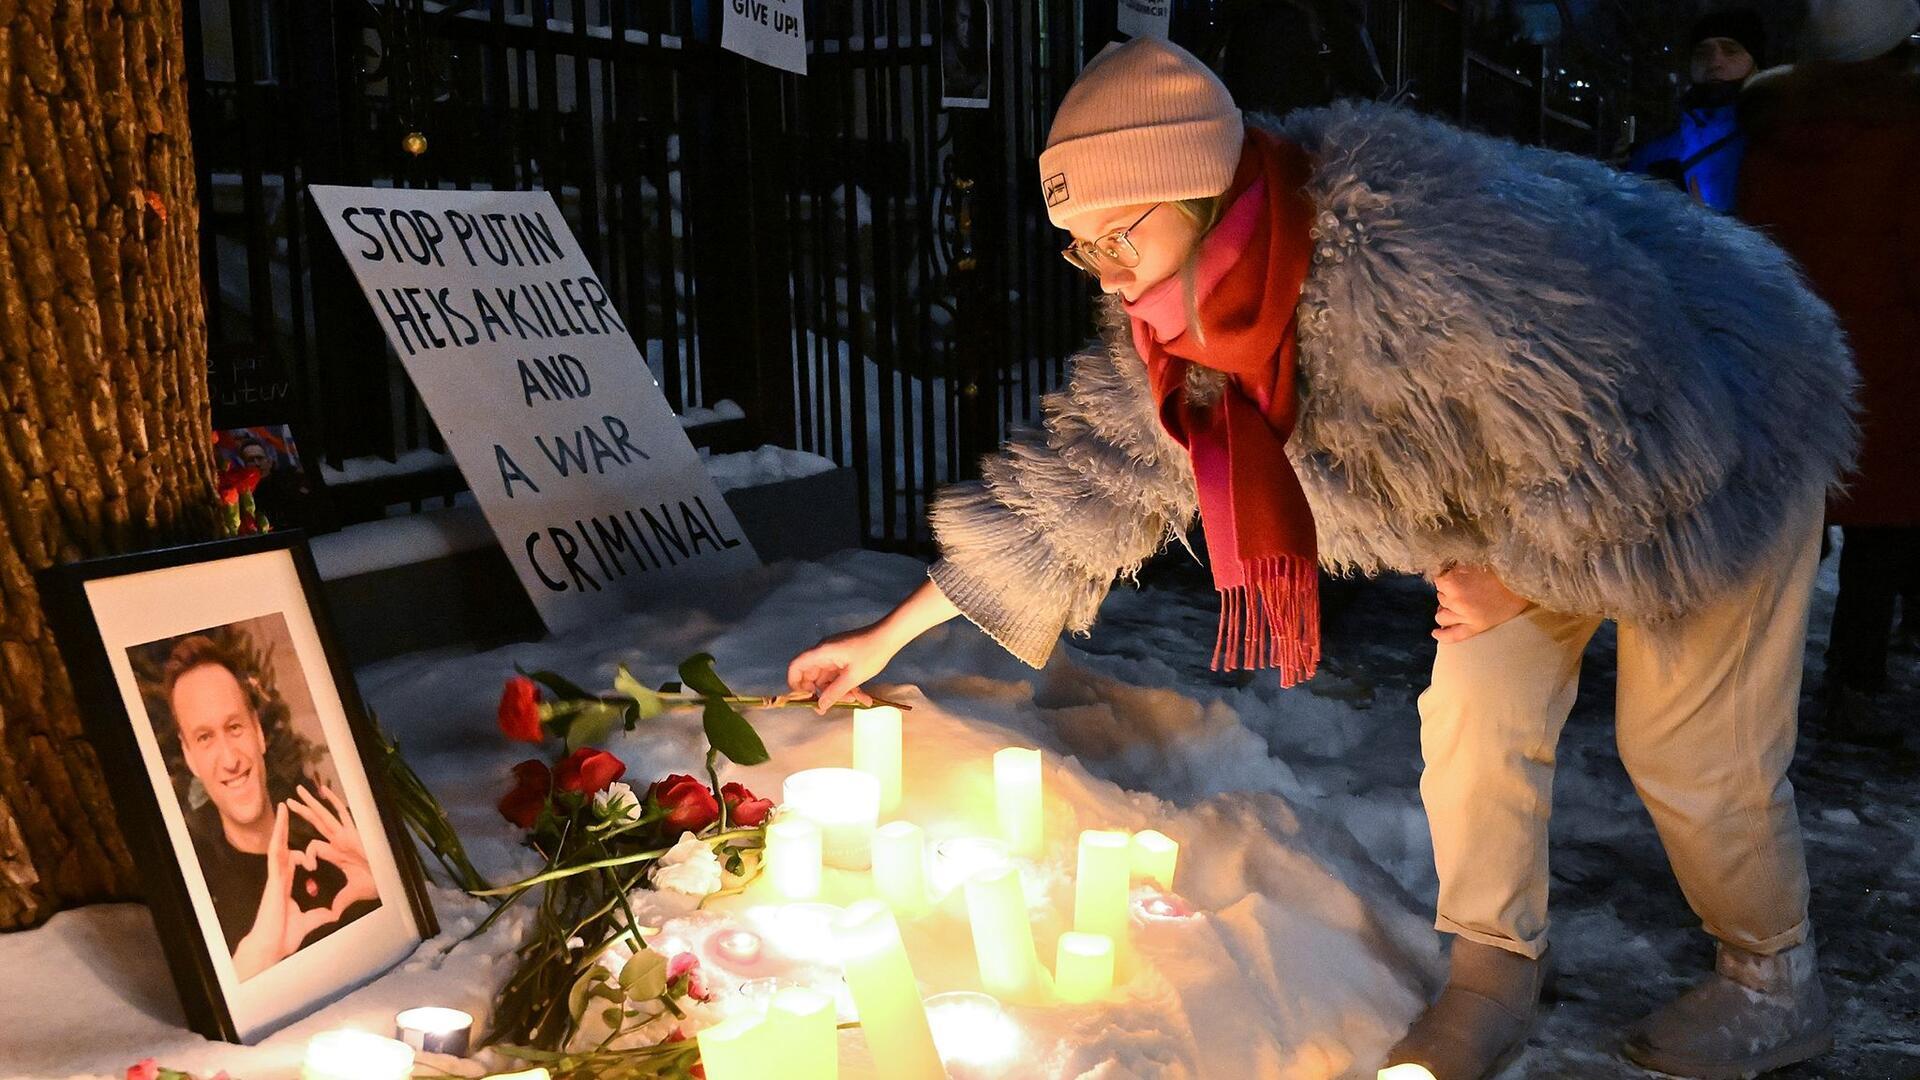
column 279, row 924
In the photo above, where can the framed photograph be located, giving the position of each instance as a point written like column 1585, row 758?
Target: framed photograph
column 245, row 774
column 966, row 54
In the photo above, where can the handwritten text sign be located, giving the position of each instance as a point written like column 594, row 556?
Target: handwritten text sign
column 584, row 473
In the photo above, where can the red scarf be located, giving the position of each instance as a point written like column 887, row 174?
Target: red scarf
column 1260, row 534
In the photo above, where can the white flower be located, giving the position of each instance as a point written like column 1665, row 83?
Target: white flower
column 617, row 805
column 690, row 867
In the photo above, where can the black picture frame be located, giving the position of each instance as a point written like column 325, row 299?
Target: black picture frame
column 154, row 838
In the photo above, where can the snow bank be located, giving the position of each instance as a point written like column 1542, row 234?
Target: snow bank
column 1306, row 960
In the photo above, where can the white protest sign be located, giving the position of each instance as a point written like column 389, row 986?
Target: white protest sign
column 1144, row 18
column 583, row 471
column 771, row 31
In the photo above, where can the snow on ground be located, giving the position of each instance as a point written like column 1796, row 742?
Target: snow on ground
column 1298, row 811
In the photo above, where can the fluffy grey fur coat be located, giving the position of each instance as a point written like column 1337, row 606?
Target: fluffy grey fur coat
column 1508, row 356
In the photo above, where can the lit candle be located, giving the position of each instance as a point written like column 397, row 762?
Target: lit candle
column 956, row 860
column 1155, row 854
column 738, row 948
column 1002, row 936
column 356, row 1055
column 793, row 858
column 801, row 932
column 1017, row 799
column 845, row 803
column 805, row 1027
column 1405, row 1072
column 973, row 1032
column 900, row 867
column 1083, row 970
column 435, row 1030
column 1101, row 886
column 539, row 1073
column 881, row 978
column 876, row 751
column 1156, row 907
column 741, row 1047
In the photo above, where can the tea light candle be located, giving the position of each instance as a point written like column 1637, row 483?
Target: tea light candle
column 1156, row 907
column 741, row 1047
column 1155, row 855
column 1083, row 970
column 884, row 991
column 956, row 860
column 794, row 851
column 802, row 932
column 1405, row 1072
column 1101, row 887
column 1002, row 936
column 845, row 803
column 1017, row 800
column 435, row 1030
column 356, row 1055
column 805, row 1026
column 740, row 948
column 900, row 867
column 876, row 751
column 973, row 1032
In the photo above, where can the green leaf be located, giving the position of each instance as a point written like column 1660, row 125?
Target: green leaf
column 650, row 703
column 558, row 684
column 580, row 995
column 644, row 976
column 729, row 733
column 697, row 672
column 591, row 725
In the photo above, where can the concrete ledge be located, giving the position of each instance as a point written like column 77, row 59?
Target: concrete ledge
column 471, row 597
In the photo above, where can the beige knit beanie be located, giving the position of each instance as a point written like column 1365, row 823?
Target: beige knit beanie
column 1847, row 31
column 1145, row 122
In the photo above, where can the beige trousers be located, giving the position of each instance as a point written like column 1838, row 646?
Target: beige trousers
column 1706, row 719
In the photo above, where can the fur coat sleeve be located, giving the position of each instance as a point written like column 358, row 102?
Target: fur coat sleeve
column 1508, row 356
column 1032, row 547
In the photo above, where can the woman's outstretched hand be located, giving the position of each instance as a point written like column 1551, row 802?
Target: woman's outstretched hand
column 1472, row 601
column 834, row 669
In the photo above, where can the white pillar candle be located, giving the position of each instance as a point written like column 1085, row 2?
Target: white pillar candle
column 1018, row 800
column 881, row 978
column 794, row 851
column 356, row 1055
column 956, row 860
column 741, row 1047
column 805, row 1027
column 1002, row 935
column 845, row 803
column 975, row 1035
column 1083, row 967
column 1101, row 886
column 900, row 867
column 435, row 1030
column 876, row 751
column 1155, row 855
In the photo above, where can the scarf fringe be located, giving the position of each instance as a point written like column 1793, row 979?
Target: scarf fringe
column 1272, row 619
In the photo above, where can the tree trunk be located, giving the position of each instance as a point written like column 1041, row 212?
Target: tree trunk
column 103, row 390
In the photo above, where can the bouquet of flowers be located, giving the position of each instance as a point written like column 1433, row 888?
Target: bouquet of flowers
column 241, row 516
column 588, row 996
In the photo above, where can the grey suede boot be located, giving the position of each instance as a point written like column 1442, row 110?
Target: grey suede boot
column 1752, row 1014
column 1480, row 1023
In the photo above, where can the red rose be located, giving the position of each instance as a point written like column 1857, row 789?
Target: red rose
column 230, row 496
column 689, row 804
column 532, row 783
column 587, row 771
column 520, row 710
column 743, row 807
column 148, row 1069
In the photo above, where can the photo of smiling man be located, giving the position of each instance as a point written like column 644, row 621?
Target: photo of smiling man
column 281, row 855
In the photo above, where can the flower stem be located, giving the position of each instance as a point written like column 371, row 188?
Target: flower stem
column 597, row 864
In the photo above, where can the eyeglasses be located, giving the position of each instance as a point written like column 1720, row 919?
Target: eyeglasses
column 1115, row 247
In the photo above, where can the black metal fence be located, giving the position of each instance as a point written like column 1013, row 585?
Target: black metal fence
column 868, row 275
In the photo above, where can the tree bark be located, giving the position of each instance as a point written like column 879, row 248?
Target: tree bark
column 103, row 394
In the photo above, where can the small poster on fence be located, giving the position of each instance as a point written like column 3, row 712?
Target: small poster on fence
column 773, row 32
column 966, row 54
column 584, row 473
column 1144, row 18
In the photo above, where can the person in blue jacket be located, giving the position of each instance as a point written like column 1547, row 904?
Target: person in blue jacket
column 1702, row 155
